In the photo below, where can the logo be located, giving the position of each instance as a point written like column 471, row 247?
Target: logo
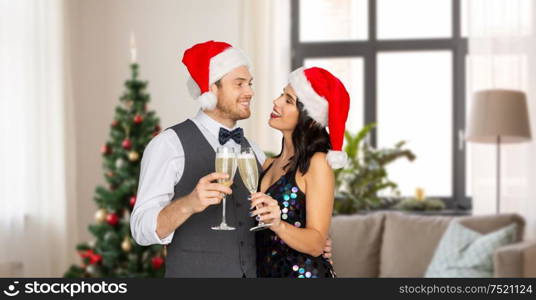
column 11, row 290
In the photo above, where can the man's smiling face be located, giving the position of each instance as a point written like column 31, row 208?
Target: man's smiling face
column 234, row 93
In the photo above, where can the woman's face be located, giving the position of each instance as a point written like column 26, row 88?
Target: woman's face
column 285, row 113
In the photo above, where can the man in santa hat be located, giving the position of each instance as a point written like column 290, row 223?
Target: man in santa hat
column 178, row 193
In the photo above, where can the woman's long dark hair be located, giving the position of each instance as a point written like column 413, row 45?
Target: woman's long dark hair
column 308, row 138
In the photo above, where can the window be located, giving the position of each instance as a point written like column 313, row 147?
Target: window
column 403, row 62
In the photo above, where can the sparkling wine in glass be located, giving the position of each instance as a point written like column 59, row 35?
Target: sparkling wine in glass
column 247, row 165
column 225, row 163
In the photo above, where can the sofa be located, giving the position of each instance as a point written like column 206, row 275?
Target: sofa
column 400, row 244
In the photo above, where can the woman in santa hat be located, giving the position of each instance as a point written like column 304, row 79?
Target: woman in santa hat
column 301, row 177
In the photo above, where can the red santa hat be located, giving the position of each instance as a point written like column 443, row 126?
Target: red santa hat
column 326, row 100
column 207, row 63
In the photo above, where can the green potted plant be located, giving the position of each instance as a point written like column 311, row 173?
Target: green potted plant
column 420, row 203
column 359, row 183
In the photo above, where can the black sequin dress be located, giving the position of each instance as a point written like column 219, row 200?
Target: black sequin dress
column 274, row 257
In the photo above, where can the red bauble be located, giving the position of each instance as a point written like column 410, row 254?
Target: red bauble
column 112, row 219
column 105, row 150
column 138, row 119
column 132, row 201
column 94, row 258
column 114, row 123
column 157, row 262
column 156, row 130
column 127, row 144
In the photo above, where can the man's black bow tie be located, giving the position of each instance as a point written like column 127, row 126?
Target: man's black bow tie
column 226, row 135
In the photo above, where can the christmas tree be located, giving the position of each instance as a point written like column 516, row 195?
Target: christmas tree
column 114, row 253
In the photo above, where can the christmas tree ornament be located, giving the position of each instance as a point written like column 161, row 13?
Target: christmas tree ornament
column 145, row 256
column 133, row 257
column 138, row 119
column 93, row 257
column 110, row 174
column 115, row 123
column 92, row 270
column 132, row 201
column 133, row 156
column 126, row 144
column 157, row 262
column 133, row 183
column 105, row 150
column 156, row 130
column 121, row 272
column 126, row 215
column 119, row 163
column 100, row 215
column 110, row 237
column 92, row 243
column 112, row 219
column 126, row 245
column 128, row 104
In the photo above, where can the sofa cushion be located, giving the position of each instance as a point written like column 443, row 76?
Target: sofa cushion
column 356, row 244
column 409, row 241
column 463, row 252
column 489, row 223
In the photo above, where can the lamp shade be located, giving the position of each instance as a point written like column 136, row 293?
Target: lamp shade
column 499, row 113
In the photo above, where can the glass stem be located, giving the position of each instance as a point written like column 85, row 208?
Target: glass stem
column 223, row 213
column 261, row 223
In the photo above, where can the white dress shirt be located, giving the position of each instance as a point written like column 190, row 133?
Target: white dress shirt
column 162, row 167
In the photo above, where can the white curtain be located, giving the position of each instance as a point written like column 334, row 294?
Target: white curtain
column 265, row 38
column 502, row 44
column 35, row 217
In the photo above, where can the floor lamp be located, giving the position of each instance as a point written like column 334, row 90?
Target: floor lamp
column 499, row 116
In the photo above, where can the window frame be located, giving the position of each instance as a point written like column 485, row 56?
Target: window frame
column 368, row 50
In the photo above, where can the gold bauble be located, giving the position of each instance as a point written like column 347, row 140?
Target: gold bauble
column 128, row 104
column 164, row 251
column 133, row 156
column 126, row 245
column 100, row 215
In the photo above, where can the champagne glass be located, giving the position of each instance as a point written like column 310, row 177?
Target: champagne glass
column 225, row 163
column 247, row 165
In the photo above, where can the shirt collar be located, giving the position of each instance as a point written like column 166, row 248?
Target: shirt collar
column 210, row 124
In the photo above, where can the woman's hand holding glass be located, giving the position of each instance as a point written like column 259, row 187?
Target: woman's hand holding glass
column 267, row 209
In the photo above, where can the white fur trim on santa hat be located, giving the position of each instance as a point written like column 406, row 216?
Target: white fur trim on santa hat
column 337, row 159
column 316, row 106
column 207, row 101
column 226, row 61
column 193, row 88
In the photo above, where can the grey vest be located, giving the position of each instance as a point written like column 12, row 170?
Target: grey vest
column 196, row 250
